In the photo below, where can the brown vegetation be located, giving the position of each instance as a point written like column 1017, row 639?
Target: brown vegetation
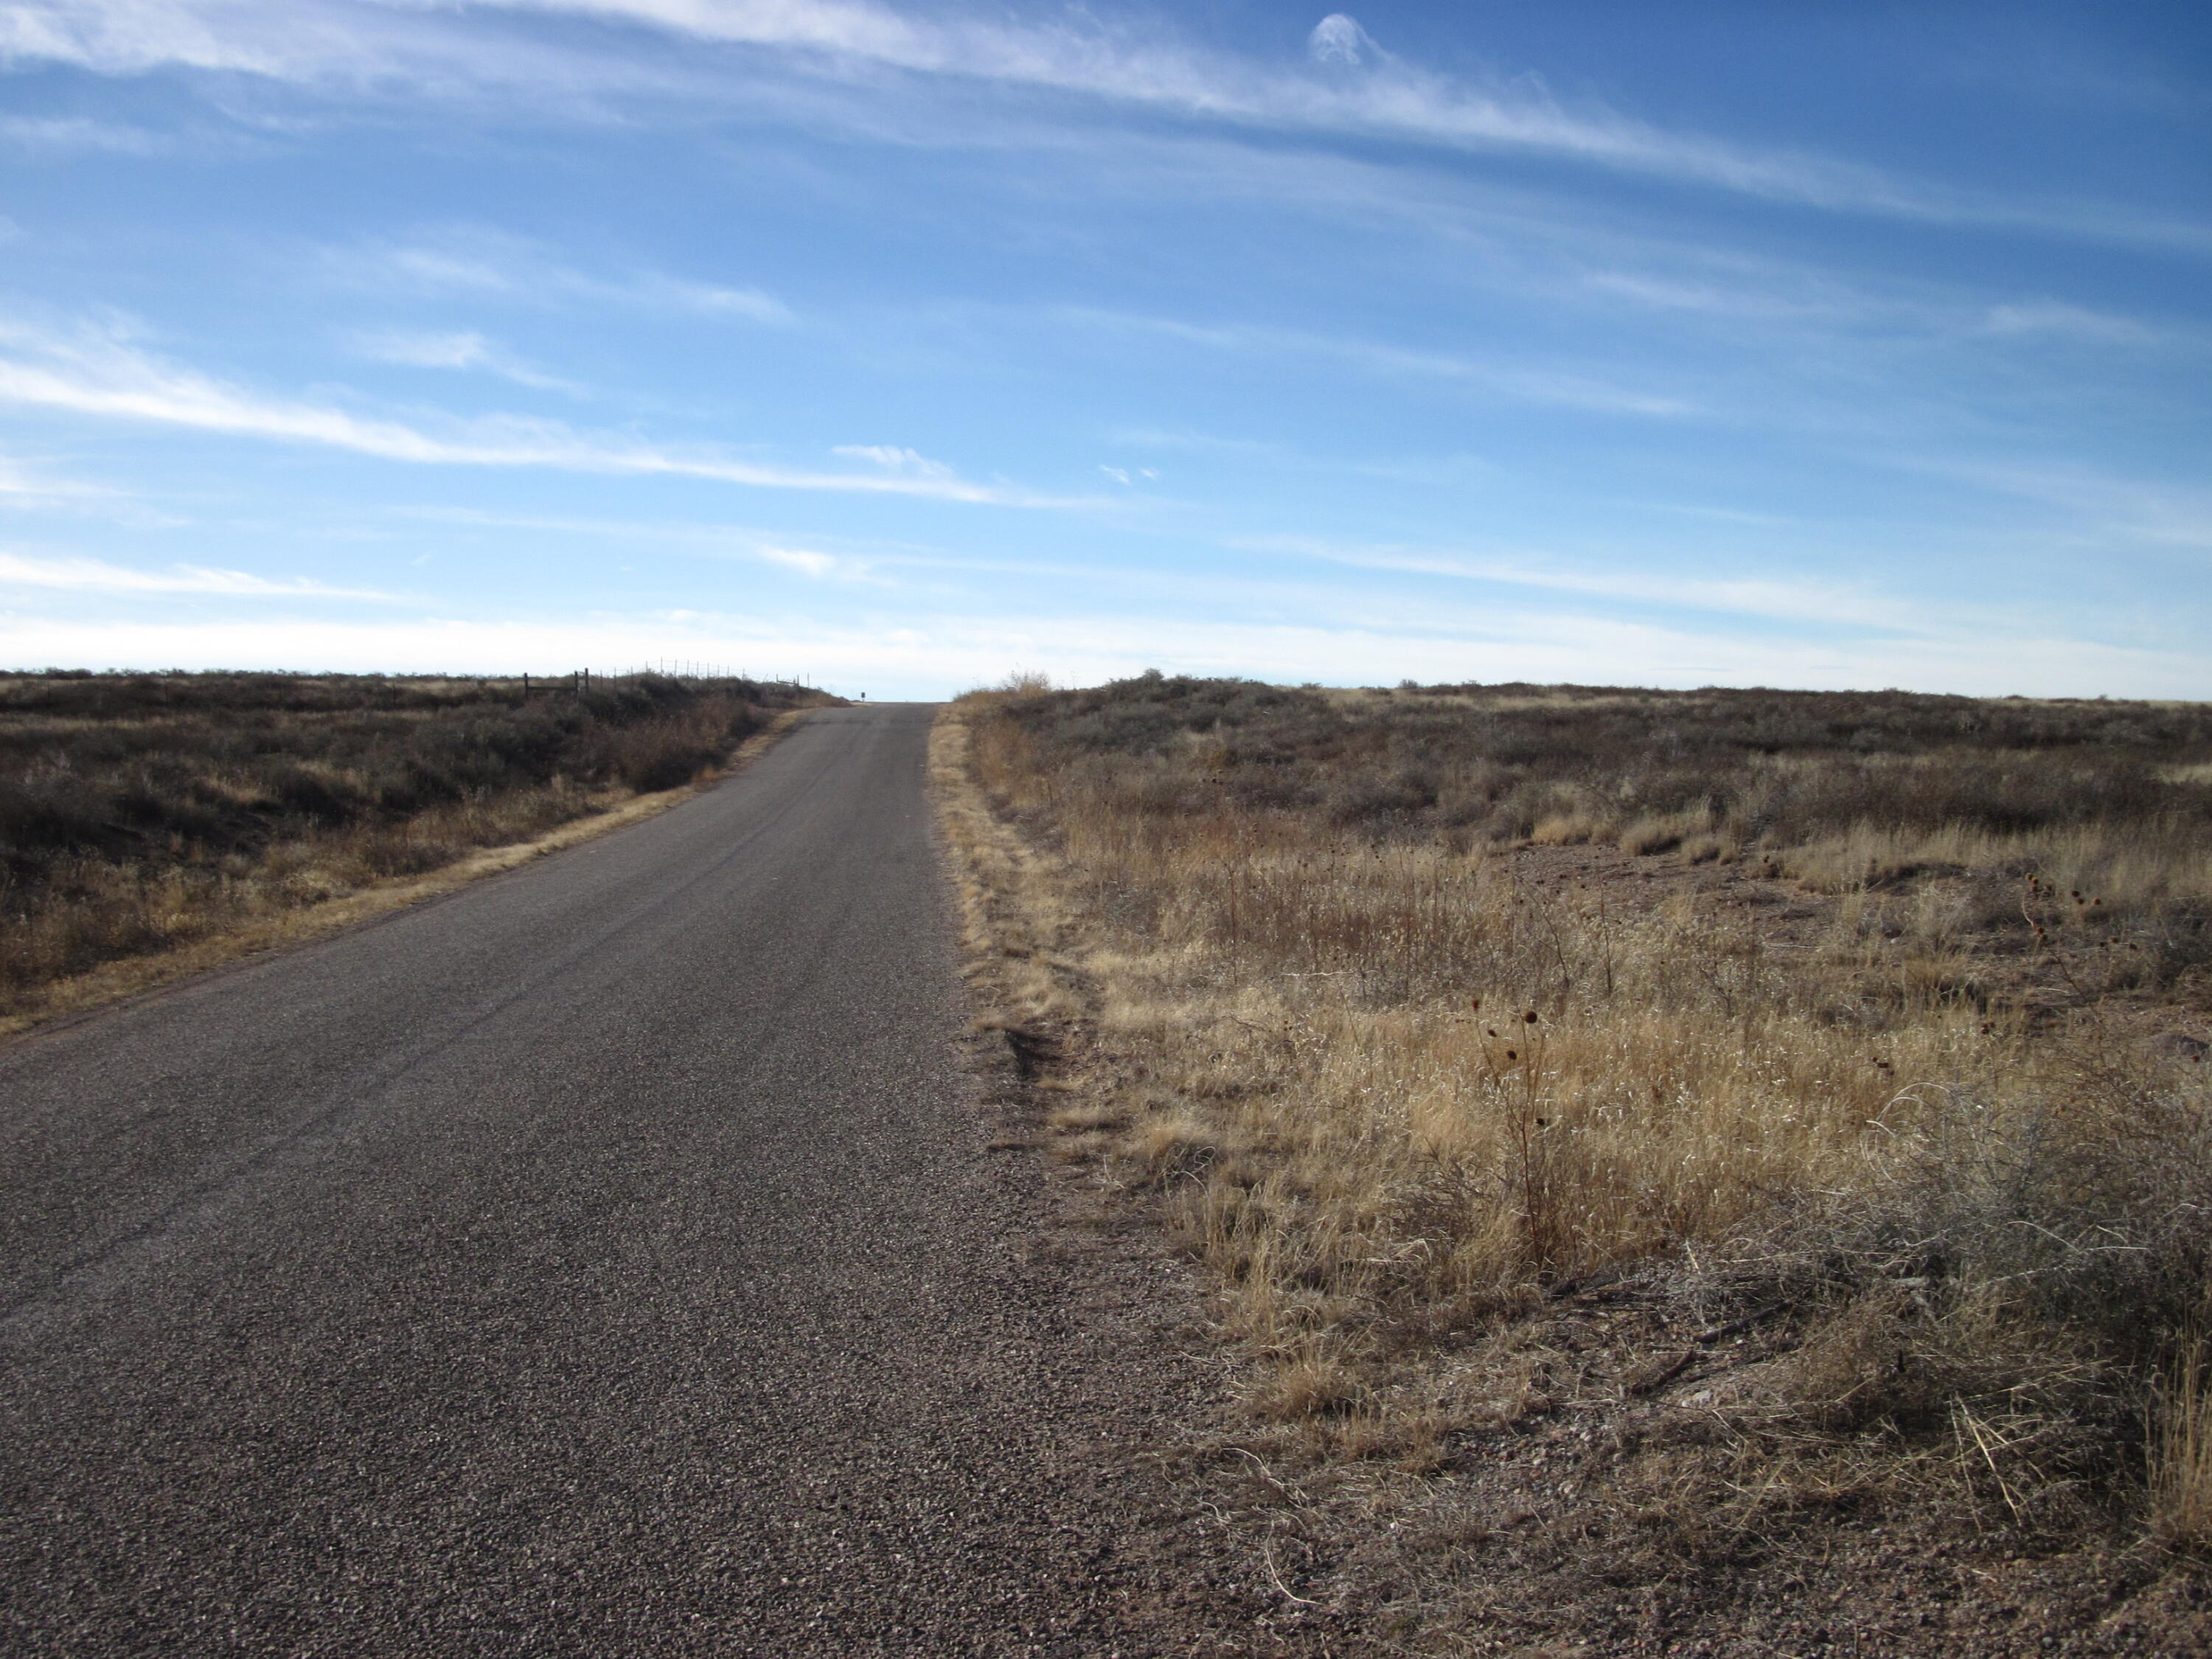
column 1628, row 1130
column 140, row 813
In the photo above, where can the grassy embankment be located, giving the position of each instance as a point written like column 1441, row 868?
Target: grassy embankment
column 143, row 815
column 1828, row 1064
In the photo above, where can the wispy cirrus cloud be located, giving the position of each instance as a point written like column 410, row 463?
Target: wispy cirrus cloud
column 1732, row 302
column 69, row 573
column 474, row 260
column 76, row 134
column 1778, row 299
column 702, row 298
column 1565, row 387
column 819, row 566
column 2103, row 507
column 454, row 349
column 1345, row 84
column 1456, row 468
column 1823, row 602
column 804, row 561
column 26, row 484
column 96, row 372
column 2055, row 318
column 33, row 488
column 1199, row 443
column 1360, row 88
column 894, row 460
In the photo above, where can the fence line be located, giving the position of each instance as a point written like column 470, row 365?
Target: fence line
column 667, row 668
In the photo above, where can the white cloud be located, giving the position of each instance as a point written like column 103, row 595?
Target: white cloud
column 2051, row 317
column 1456, row 468
column 67, row 133
column 389, row 48
column 125, row 37
column 22, row 484
column 1797, row 601
column 1735, row 303
column 439, row 270
column 418, row 348
column 31, row 488
column 900, row 463
column 1085, row 57
column 73, row 574
column 101, row 374
column 1196, row 443
column 804, row 561
column 1338, row 39
column 1546, row 386
column 2106, row 508
column 474, row 260
column 421, row 350
column 668, row 294
column 1819, row 311
column 1529, row 247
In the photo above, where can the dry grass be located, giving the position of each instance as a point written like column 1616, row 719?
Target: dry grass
column 151, row 825
column 1426, row 1013
column 2181, row 1456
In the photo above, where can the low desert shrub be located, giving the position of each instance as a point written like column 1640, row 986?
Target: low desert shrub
column 138, row 812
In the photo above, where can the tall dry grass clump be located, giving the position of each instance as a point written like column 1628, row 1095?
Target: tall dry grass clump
column 2181, row 1454
column 1397, row 1077
column 141, row 813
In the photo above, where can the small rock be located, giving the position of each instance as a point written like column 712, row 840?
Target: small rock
column 2182, row 1046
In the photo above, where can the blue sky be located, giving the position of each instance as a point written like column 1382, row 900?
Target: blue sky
column 903, row 345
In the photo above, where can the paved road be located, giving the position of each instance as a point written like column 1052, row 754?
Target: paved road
column 607, row 1259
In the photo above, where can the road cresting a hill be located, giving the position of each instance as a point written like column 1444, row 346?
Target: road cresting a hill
column 116, row 981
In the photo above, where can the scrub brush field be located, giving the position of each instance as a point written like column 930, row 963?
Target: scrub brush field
column 143, row 814
column 1671, row 1167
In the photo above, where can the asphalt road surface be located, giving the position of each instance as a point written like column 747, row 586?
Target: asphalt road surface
column 611, row 1258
